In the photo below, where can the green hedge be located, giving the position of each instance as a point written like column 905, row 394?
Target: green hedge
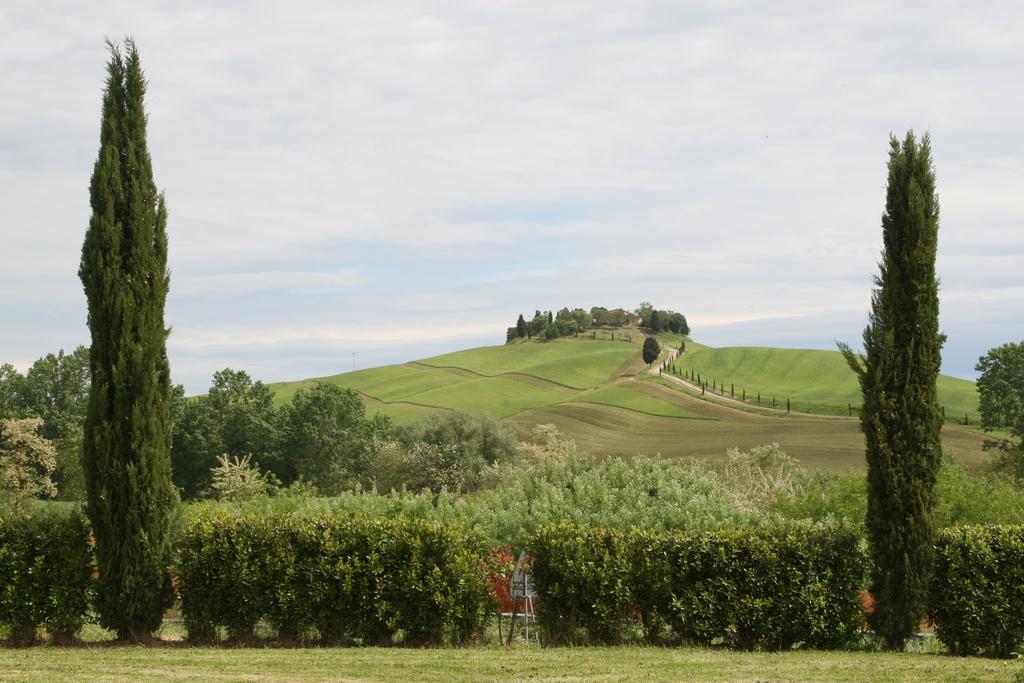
column 45, row 571
column 772, row 588
column 349, row 579
column 977, row 592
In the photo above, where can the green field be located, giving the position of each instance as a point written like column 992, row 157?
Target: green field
column 815, row 381
column 488, row 664
column 634, row 398
column 578, row 363
column 499, row 396
column 592, row 390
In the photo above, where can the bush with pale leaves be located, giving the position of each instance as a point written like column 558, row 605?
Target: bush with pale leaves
column 27, row 460
column 239, row 479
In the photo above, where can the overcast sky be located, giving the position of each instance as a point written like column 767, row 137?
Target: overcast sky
column 400, row 179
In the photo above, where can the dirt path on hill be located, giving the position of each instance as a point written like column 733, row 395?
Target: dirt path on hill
column 673, row 354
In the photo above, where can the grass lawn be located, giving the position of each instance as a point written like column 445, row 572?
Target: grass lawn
column 578, row 363
column 488, row 663
column 818, row 381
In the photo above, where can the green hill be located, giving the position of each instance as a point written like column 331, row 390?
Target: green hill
column 592, row 388
column 814, row 381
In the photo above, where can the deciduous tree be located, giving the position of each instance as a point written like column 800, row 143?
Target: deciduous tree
column 323, row 438
column 1001, row 392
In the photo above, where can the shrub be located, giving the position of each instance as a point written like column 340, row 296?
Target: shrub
column 968, row 498
column 585, row 582
column 239, row 479
column 771, row 587
column 349, row 578
column 27, row 460
column 614, row 493
column 977, row 592
column 45, row 571
column 757, row 478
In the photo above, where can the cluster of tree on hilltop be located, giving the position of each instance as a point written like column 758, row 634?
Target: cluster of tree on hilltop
column 657, row 320
column 550, row 325
column 569, row 323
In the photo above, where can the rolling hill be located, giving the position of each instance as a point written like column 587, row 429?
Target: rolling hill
column 815, row 381
column 597, row 390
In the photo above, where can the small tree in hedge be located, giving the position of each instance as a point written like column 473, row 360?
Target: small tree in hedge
column 651, row 350
column 521, row 328
column 901, row 418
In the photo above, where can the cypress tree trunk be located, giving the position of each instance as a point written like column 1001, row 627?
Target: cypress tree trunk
column 900, row 417
column 127, row 428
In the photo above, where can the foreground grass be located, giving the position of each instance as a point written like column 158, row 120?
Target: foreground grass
column 488, row 663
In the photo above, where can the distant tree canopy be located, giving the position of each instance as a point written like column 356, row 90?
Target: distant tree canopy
column 55, row 389
column 1001, row 393
column 1001, row 389
column 657, row 320
column 319, row 437
column 565, row 323
column 236, row 418
column 568, row 322
column 616, row 317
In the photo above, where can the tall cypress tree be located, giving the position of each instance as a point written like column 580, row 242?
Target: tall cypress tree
column 901, row 418
column 521, row 326
column 130, row 497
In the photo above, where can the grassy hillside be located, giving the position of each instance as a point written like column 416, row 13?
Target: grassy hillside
column 591, row 389
column 815, row 381
column 576, row 363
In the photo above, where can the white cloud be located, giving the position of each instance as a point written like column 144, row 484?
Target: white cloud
column 293, row 282
column 334, row 167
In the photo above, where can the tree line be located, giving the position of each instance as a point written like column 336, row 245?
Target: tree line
column 322, row 440
column 569, row 323
column 234, row 440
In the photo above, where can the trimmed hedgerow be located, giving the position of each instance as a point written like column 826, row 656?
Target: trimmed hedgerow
column 585, row 581
column 773, row 588
column 45, row 571
column 977, row 591
column 349, row 579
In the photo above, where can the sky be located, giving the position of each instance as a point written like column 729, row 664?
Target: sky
column 399, row 179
